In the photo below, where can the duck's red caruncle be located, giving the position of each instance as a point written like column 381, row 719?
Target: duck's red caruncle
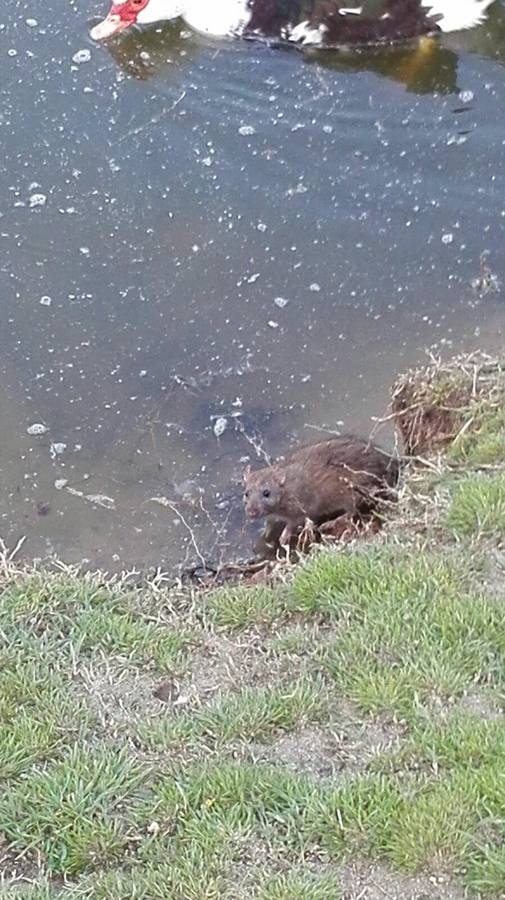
column 121, row 16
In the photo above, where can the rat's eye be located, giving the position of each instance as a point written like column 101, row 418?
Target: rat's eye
column 266, row 492
column 247, row 493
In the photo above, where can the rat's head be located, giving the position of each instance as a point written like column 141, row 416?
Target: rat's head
column 124, row 13
column 263, row 491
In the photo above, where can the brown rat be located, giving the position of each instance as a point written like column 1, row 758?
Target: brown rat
column 343, row 475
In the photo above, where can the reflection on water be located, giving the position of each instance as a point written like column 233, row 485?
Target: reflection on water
column 208, row 248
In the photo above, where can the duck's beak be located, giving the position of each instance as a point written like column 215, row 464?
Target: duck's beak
column 111, row 25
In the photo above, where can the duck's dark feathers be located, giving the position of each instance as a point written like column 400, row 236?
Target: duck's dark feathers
column 332, row 24
column 399, row 20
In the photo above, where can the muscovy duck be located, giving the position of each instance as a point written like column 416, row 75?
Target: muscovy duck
column 324, row 24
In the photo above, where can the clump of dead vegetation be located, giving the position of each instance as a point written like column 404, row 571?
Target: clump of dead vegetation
column 449, row 417
column 437, row 405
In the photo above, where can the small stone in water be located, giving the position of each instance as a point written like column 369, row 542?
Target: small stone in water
column 466, row 96
column 57, row 448
column 273, row 324
column 245, row 130
column 60, row 483
column 45, row 301
column 220, row 426
column 38, row 200
column 37, row 428
column 101, row 500
column 32, row 23
column 315, row 287
column 447, row 238
column 457, row 139
column 82, row 56
column 281, row 302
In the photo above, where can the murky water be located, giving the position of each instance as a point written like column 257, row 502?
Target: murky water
column 200, row 238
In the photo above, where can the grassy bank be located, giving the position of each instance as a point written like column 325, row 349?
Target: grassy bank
column 339, row 734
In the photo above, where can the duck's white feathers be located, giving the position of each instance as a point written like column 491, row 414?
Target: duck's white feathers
column 457, row 15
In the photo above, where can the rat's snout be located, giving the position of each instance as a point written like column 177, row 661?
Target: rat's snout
column 253, row 511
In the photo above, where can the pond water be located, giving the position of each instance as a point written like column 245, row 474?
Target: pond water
column 209, row 248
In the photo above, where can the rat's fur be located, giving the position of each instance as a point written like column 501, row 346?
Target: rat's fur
column 340, row 476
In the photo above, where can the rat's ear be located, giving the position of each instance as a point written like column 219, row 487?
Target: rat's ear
column 279, row 475
column 247, row 472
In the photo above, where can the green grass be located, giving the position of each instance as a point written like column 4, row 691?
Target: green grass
column 250, row 714
column 29, row 892
column 39, row 714
column 459, row 743
column 301, row 639
column 301, row 887
column 357, row 817
column 36, row 596
column 75, row 811
column 107, row 799
column 478, row 507
column 434, row 831
column 459, row 763
column 179, row 879
column 486, row 873
column 247, row 793
column 242, row 607
column 339, row 584
column 79, row 617
column 124, row 634
column 408, row 629
column 484, row 444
